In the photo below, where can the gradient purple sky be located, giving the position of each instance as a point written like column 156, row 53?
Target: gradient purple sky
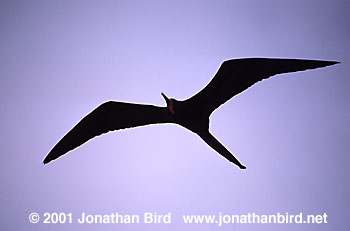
column 61, row 59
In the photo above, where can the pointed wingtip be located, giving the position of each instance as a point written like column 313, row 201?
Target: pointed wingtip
column 332, row 62
column 328, row 63
column 321, row 63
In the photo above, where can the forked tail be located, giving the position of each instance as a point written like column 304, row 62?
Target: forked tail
column 217, row 146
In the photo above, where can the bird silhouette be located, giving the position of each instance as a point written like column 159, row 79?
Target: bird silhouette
column 233, row 77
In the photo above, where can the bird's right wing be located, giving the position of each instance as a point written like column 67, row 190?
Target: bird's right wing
column 236, row 75
column 107, row 117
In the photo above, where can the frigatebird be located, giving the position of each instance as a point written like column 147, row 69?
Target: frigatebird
column 233, row 77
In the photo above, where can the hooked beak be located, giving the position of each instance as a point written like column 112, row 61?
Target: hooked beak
column 169, row 104
column 165, row 97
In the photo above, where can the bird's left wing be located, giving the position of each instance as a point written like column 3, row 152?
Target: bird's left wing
column 107, row 117
column 236, row 75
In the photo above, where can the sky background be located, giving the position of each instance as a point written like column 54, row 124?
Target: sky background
column 61, row 59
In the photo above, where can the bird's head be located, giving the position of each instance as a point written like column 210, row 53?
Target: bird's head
column 169, row 103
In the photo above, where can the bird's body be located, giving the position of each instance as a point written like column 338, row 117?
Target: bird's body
column 233, row 77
